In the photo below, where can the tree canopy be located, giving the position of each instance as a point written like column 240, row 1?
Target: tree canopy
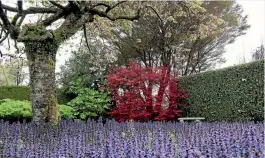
column 189, row 38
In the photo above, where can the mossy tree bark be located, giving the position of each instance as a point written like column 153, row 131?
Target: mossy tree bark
column 42, row 58
column 41, row 48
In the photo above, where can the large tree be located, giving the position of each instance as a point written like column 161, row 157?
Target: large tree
column 188, row 40
column 42, row 42
column 11, row 69
column 88, row 67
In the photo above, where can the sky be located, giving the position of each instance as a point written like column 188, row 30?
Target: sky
column 244, row 45
column 235, row 52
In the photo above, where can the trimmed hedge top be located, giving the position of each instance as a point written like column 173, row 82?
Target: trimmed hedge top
column 15, row 92
column 23, row 93
column 230, row 94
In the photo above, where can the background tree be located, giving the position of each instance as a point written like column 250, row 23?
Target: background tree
column 189, row 40
column 5, row 77
column 258, row 53
column 89, row 64
column 11, row 69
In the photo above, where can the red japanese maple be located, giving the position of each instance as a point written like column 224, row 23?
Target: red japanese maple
column 144, row 94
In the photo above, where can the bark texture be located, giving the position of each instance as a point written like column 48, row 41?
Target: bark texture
column 41, row 56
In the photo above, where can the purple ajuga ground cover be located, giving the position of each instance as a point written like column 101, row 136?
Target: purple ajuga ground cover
column 132, row 140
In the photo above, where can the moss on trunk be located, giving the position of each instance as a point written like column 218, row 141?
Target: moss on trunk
column 42, row 59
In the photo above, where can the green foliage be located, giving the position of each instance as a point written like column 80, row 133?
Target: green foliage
column 34, row 30
column 15, row 92
column 84, row 69
column 231, row 94
column 66, row 111
column 18, row 110
column 23, row 93
column 90, row 103
column 62, row 97
column 15, row 109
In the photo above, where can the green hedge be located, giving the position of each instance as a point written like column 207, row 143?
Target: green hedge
column 15, row 92
column 23, row 93
column 230, row 94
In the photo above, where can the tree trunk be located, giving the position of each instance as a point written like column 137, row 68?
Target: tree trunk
column 42, row 58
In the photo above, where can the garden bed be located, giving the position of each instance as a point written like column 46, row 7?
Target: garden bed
column 124, row 140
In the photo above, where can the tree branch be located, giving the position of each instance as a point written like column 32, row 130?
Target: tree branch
column 31, row 10
column 103, row 14
column 16, row 46
column 14, row 20
column 74, row 5
column 73, row 22
column 2, row 30
column 21, row 20
column 101, row 4
column 39, row 18
column 57, row 5
column 20, row 7
column 115, row 5
column 57, row 16
column 4, row 38
column 53, row 18
column 190, row 56
column 155, row 12
column 3, row 16
column 8, row 42
column 6, row 23
column 85, row 34
column 199, row 58
column 70, row 26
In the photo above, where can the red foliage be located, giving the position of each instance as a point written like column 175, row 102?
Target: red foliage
column 132, row 91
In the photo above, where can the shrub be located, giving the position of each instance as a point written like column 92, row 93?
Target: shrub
column 23, row 93
column 90, row 103
column 230, row 94
column 66, row 112
column 132, row 90
column 17, row 110
column 63, row 97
